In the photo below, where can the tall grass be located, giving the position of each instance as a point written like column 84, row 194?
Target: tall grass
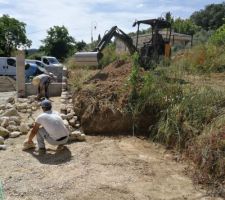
column 182, row 111
column 205, row 58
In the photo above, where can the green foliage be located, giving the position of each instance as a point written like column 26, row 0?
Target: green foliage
column 218, row 38
column 134, row 76
column 109, row 55
column 212, row 17
column 185, row 26
column 80, row 46
column 58, row 43
column 201, row 36
column 12, row 35
column 200, row 59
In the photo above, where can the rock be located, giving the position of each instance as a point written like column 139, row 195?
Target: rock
column 23, row 111
column 12, row 128
column 63, row 108
column 21, row 106
column 24, row 128
column 1, row 140
column 2, row 147
column 4, row 132
column 22, row 100
column 70, row 115
column 9, row 106
column 10, row 100
column 77, row 135
column 12, row 123
column 63, row 100
column 33, row 108
column 11, row 112
column 77, row 125
column 63, row 116
column 65, row 93
column 14, row 134
column 5, row 121
column 72, row 122
column 15, row 119
column 2, row 107
column 63, row 96
column 81, row 137
column 70, row 100
column 66, row 122
column 29, row 110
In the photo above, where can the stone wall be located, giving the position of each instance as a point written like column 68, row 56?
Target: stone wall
column 55, row 89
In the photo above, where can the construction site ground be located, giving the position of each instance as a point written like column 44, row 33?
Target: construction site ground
column 100, row 168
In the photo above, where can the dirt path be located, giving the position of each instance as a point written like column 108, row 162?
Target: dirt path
column 101, row 168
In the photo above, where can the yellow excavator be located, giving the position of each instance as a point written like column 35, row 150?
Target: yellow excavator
column 149, row 52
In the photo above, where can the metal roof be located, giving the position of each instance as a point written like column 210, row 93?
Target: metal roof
column 159, row 23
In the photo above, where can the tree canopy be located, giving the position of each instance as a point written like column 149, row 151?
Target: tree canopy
column 212, row 17
column 12, row 35
column 58, row 43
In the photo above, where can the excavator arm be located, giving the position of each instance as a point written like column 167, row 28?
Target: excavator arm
column 92, row 58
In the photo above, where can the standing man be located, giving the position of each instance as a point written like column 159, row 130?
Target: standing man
column 48, row 126
column 43, row 81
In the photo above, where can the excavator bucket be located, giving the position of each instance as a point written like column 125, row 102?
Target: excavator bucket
column 87, row 58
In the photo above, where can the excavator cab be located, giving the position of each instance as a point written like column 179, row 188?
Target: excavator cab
column 159, row 43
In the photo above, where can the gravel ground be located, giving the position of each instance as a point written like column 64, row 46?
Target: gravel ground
column 100, row 168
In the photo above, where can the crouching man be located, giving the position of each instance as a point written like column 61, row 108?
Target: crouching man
column 48, row 126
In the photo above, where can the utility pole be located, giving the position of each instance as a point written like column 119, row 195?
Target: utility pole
column 93, row 27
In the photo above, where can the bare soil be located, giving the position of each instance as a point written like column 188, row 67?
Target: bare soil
column 100, row 168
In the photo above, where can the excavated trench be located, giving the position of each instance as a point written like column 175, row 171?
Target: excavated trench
column 103, row 104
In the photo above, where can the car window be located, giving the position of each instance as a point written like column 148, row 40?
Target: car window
column 53, row 61
column 11, row 62
column 45, row 60
column 38, row 63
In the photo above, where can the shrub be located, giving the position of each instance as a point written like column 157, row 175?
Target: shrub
column 109, row 55
column 218, row 38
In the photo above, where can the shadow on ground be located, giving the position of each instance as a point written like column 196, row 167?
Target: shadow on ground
column 53, row 157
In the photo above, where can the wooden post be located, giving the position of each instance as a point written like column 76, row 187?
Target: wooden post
column 20, row 74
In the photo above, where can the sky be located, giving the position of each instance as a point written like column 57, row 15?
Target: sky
column 86, row 18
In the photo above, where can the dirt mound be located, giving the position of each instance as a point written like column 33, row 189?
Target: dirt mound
column 102, row 103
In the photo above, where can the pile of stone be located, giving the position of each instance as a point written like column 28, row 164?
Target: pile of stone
column 69, row 117
column 11, row 124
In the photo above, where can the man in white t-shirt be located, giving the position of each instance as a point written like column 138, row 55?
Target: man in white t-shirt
column 48, row 126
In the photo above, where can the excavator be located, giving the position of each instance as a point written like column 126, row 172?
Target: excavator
column 149, row 52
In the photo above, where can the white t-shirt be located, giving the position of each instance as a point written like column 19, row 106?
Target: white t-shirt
column 53, row 124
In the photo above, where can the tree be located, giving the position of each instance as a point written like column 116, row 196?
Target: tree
column 80, row 45
column 212, row 17
column 58, row 43
column 12, row 35
column 169, row 17
column 185, row 26
column 218, row 37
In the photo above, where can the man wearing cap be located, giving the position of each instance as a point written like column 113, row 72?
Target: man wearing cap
column 43, row 82
column 48, row 126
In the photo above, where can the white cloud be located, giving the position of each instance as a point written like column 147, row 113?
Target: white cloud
column 78, row 15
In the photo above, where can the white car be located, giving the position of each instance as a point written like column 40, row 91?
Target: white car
column 37, row 62
column 51, row 61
